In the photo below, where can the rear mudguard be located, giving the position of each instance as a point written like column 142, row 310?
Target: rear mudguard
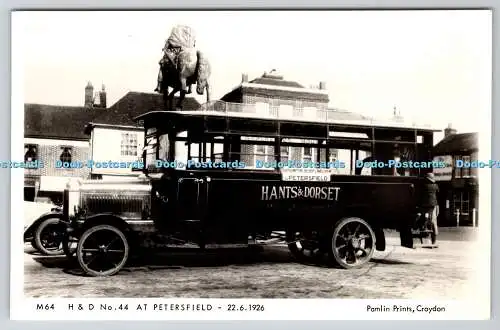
column 30, row 231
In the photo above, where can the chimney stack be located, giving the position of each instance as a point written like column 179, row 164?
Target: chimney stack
column 89, row 95
column 322, row 85
column 244, row 78
column 102, row 97
column 449, row 131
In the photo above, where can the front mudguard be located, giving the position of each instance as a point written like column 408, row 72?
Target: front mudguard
column 76, row 227
column 29, row 232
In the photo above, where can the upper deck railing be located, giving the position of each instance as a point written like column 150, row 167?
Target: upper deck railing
column 308, row 114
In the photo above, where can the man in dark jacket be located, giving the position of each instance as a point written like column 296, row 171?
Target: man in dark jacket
column 429, row 202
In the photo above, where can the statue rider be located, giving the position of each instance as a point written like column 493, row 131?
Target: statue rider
column 181, row 38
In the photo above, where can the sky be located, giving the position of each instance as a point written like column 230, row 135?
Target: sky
column 433, row 66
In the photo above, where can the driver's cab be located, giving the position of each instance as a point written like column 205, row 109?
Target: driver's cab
column 178, row 197
column 166, row 151
column 156, row 150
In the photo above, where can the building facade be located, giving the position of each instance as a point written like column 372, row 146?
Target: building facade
column 458, row 197
column 272, row 96
column 54, row 136
column 67, row 139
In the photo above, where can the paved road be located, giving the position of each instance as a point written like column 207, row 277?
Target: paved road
column 445, row 272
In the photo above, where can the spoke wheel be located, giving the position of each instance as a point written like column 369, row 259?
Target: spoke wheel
column 49, row 236
column 102, row 250
column 353, row 243
column 305, row 246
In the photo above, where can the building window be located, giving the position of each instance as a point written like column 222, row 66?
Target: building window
column 462, row 172
column 310, row 113
column 334, row 155
column 307, row 154
column 65, row 154
column 298, row 111
column 262, row 109
column 260, row 149
column 285, row 111
column 461, row 202
column 129, row 144
column 285, row 154
column 274, row 111
column 30, row 152
column 261, row 153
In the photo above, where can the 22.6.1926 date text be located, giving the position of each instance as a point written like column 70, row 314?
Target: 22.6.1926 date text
column 245, row 308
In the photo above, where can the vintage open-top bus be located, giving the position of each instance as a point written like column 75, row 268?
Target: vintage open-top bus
column 204, row 184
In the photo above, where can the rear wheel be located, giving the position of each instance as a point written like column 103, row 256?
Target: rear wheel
column 102, row 250
column 49, row 236
column 353, row 243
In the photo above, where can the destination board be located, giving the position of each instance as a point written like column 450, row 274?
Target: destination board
column 306, row 174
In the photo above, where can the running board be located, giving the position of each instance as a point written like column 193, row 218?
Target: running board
column 271, row 242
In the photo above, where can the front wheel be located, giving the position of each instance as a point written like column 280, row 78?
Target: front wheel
column 48, row 237
column 353, row 243
column 102, row 250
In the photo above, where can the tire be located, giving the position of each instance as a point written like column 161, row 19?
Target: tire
column 352, row 243
column 50, row 245
column 117, row 242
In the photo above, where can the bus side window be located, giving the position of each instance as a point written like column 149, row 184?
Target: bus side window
column 363, row 170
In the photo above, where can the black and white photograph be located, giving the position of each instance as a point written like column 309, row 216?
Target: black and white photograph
column 251, row 164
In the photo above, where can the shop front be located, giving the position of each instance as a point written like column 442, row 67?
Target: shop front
column 458, row 196
column 458, row 202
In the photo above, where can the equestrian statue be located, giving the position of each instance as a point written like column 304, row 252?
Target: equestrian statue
column 182, row 66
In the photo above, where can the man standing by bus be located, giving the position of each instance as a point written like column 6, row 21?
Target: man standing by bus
column 430, row 204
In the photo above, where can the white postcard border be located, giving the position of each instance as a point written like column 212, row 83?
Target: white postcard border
column 477, row 307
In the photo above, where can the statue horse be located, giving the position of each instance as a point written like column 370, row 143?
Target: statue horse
column 190, row 67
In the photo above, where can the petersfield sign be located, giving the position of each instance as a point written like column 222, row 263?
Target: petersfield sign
column 275, row 192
